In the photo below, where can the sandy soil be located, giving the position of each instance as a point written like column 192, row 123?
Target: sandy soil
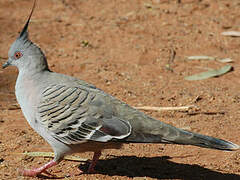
column 125, row 48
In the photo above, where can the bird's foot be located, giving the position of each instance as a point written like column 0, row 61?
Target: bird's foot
column 32, row 172
column 37, row 171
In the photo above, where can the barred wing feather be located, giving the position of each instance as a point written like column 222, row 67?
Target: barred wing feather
column 74, row 115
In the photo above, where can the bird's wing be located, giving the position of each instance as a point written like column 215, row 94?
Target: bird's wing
column 74, row 115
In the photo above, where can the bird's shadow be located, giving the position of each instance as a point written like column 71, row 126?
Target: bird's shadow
column 153, row 167
column 156, row 167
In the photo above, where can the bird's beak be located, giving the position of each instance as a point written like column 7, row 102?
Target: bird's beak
column 6, row 64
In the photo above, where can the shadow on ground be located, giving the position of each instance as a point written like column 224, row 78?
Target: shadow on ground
column 153, row 167
column 156, row 167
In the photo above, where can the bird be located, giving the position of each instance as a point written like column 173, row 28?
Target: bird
column 75, row 116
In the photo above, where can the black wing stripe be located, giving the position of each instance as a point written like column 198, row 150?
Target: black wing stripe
column 66, row 95
column 46, row 103
column 88, row 99
column 62, row 117
column 75, row 137
column 55, row 95
column 80, row 133
column 81, row 112
column 83, row 125
column 84, row 130
column 46, row 109
column 72, row 101
column 53, row 89
column 59, row 112
column 81, row 98
column 71, row 138
column 49, row 88
column 56, row 112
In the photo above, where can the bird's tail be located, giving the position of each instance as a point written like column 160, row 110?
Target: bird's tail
column 205, row 141
column 153, row 131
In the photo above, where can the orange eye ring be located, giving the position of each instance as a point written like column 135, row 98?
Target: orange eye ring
column 18, row 54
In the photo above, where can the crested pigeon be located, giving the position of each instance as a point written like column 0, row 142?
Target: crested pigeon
column 75, row 116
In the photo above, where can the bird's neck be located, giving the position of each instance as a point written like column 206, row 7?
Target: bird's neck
column 30, row 73
column 35, row 64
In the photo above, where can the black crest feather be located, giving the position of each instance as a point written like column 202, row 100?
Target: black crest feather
column 24, row 33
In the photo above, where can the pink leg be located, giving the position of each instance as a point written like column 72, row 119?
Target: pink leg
column 37, row 171
column 94, row 161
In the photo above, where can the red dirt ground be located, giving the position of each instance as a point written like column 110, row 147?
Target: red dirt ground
column 125, row 48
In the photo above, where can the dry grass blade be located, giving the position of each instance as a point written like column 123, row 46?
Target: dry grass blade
column 231, row 33
column 50, row 154
column 225, row 60
column 180, row 108
column 210, row 58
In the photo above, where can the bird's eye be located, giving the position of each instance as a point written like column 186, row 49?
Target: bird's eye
column 17, row 55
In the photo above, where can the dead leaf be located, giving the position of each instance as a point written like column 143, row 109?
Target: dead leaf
column 209, row 74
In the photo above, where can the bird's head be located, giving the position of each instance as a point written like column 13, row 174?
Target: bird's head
column 24, row 54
